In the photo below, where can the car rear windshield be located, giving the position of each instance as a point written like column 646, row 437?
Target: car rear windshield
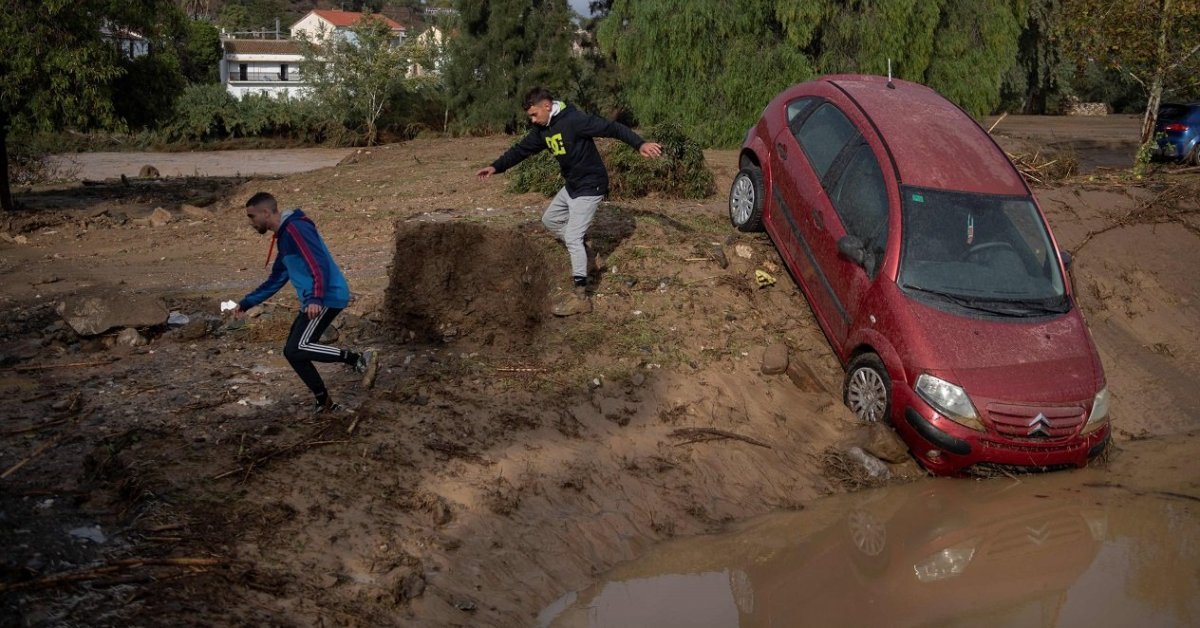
column 979, row 252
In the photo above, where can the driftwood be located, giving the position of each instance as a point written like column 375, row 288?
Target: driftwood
column 42, row 449
column 113, row 567
column 43, row 367
column 308, row 442
column 704, row 434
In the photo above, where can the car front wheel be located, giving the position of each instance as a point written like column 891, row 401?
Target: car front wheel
column 868, row 389
column 745, row 199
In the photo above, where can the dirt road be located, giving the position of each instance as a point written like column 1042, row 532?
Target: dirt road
column 505, row 457
column 222, row 163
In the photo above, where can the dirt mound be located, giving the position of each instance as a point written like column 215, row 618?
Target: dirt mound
column 459, row 280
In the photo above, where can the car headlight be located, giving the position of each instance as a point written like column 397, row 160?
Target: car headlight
column 1099, row 415
column 949, row 400
column 947, row 563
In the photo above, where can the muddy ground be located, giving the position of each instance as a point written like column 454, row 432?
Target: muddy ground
column 504, row 457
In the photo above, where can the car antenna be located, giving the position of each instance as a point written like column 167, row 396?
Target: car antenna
column 890, row 84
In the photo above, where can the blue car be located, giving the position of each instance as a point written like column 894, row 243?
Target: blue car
column 1178, row 133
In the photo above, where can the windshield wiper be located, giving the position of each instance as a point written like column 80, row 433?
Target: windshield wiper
column 991, row 306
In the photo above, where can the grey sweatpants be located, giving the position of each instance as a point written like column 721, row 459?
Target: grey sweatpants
column 568, row 219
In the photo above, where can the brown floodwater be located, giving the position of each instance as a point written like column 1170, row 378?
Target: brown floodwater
column 1063, row 549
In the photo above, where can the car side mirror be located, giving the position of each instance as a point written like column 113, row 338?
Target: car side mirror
column 853, row 248
column 1066, row 258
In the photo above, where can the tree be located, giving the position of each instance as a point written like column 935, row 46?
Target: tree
column 1154, row 42
column 504, row 48
column 357, row 74
column 58, row 68
column 1043, row 73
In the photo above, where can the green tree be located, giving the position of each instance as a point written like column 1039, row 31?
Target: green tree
column 58, row 68
column 975, row 45
column 502, row 49
column 200, row 52
column 1043, row 73
column 1153, row 42
column 357, row 74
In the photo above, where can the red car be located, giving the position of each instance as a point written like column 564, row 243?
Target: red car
column 930, row 268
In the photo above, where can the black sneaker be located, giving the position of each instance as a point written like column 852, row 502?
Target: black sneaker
column 328, row 407
column 368, row 365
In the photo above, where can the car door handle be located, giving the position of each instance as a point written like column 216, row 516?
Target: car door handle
column 818, row 219
column 782, row 150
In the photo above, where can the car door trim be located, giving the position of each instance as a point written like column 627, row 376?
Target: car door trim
column 791, row 221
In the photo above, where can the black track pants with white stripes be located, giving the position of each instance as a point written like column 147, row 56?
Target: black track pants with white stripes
column 302, row 349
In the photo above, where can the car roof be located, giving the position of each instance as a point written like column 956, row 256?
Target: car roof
column 934, row 143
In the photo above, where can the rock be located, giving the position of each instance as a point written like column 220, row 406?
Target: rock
column 874, row 466
column 92, row 315
column 91, row 533
column 193, row 330
column 159, row 217
column 718, row 255
column 885, row 444
column 129, row 337
column 330, row 336
column 255, row 311
column 148, row 172
column 637, row 379
column 196, row 213
column 775, row 359
column 178, row 318
column 743, row 251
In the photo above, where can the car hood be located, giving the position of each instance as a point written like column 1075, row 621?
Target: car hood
column 1032, row 360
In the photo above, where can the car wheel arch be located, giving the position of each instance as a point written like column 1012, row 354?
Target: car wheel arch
column 869, row 341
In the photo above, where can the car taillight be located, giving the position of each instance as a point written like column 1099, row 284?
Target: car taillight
column 1175, row 127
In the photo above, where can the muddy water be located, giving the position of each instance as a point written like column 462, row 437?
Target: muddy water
column 1058, row 550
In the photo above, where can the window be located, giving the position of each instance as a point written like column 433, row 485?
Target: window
column 283, row 72
column 823, row 136
column 241, row 71
column 796, row 111
column 860, row 198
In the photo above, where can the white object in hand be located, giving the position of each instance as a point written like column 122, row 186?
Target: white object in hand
column 228, row 305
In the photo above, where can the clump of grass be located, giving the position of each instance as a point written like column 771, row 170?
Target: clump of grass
column 680, row 172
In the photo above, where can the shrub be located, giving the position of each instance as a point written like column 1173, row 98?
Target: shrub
column 680, row 173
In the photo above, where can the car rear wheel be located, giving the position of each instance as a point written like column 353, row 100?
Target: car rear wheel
column 868, row 389
column 1194, row 158
column 745, row 199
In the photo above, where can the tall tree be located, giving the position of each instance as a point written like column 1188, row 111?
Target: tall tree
column 357, row 74
column 58, row 66
column 1154, row 42
column 502, row 49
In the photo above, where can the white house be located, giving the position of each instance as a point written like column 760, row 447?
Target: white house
column 433, row 40
column 130, row 44
column 321, row 24
column 262, row 66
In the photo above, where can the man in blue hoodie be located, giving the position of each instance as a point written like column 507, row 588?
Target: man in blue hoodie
column 304, row 260
column 567, row 133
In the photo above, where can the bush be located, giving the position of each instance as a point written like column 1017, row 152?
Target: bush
column 206, row 113
column 680, row 172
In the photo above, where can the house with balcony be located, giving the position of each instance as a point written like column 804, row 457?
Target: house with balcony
column 320, row 24
column 262, row 66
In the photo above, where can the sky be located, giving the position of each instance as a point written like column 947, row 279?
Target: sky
column 580, row 6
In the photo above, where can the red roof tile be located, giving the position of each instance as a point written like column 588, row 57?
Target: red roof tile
column 350, row 18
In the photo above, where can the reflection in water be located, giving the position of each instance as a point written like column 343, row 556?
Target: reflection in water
column 1042, row 551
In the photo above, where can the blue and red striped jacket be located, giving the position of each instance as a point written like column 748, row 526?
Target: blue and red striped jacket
column 304, row 259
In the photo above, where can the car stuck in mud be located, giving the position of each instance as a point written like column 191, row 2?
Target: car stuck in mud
column 930, row 267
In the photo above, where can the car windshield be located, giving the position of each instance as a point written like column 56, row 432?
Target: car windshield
column 979, row 252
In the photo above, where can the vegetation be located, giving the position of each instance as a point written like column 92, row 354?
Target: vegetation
column 679, row 173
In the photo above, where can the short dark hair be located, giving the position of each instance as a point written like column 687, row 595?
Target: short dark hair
column 536, row 95
column 261, row 198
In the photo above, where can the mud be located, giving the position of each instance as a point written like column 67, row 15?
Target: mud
column 476, row 483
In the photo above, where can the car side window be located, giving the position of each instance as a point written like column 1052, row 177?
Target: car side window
column 824, row 133
column 860, row 198
column 797, row 110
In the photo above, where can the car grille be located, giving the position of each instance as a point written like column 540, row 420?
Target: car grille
column 1035, row 534
column 1021, row 423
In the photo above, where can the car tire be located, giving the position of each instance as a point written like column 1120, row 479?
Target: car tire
column 745, row 199
column 867, row 390
column 1193, row 159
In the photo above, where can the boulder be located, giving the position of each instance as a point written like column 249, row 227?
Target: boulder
column 883, row 443
column 148, row 172
column 196, row 213
column 129, row 337
column 92, row 315
column 775, row 359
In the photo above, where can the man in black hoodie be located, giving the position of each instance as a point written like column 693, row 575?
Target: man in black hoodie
column 567, row 133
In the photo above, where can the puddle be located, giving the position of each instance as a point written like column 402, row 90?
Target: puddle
column 1054, row 550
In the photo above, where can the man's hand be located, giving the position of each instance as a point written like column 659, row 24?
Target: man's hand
column 239, row 313
column 650, row 149
column 312, row 310
column 484, row 173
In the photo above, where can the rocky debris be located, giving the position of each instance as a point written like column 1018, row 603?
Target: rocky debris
column 178, row 318
column 148, row 172
column 196, row 213
column 160, row 217
column 15, row 239
column 743, row 251
column 92, row 315
column 330, row 336
column 775, row 359
column 717, row 254
column 193, row 330
column 129, row 337
column 883, row 443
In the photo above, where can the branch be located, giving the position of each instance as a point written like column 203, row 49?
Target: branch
column 1183, row 58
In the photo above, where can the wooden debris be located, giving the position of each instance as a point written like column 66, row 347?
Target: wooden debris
column 113, row 567
column 704, row 434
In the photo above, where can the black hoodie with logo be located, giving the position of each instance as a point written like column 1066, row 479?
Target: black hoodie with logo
column 569, row 138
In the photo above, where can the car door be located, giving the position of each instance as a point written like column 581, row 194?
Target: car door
column 858, row 195
column 822, row 137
